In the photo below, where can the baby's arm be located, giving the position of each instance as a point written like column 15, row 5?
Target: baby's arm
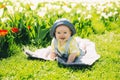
column 71, row 57
column 52, row 55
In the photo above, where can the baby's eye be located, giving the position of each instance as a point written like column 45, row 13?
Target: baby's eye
column 58, row 32
column 65, row 32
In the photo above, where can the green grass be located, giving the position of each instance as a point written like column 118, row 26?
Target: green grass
column 18, row 67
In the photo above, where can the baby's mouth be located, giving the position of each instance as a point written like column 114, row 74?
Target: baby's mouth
column 62, row 38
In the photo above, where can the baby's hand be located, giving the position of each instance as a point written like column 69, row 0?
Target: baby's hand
column 52, row 56
column 71, row 57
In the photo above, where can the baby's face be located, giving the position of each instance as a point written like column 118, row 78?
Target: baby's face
column 62, row 33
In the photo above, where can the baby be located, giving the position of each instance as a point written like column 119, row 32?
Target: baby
column 63, row 43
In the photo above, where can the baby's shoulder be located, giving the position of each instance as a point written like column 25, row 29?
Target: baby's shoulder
column 73, row 40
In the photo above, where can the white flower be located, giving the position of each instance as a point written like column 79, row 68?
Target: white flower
column 17, row 7
column 24, row 2
column 84, row 4
column 34, row 2
column 79, row 18
column 48, row 6
column 84, row 13
column 60, row 12
column 1, row 12
column 1, row 0
column 98, row 12
column 13, row 1
column 88, row 17
column 110, row 14
column 41, row 13
column 101, row 8
column 43, row 9
column 10, row 9
column 73, row 5
column 78, row 11
column 104, row 15
column 20, row 9
column 33, row 7
column 94, row 5
column 109, row 5
column 115, row 13
column 4, row 19
column 89, row 7
column 17, row 4
column 56, row 7
column 66, row 9
column 115, row 9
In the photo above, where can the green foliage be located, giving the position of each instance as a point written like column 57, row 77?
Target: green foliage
column 84, row 27
column 13, row 50
column 40, row 35
column 98, row 27
column 9, row 49
column 6, row 41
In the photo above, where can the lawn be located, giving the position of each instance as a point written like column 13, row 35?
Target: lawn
column 19, row 67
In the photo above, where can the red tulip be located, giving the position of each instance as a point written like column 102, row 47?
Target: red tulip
column 3, row 32
column 28, row 27
column 15, row 30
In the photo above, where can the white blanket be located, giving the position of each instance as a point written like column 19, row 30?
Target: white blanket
column 88, row 59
